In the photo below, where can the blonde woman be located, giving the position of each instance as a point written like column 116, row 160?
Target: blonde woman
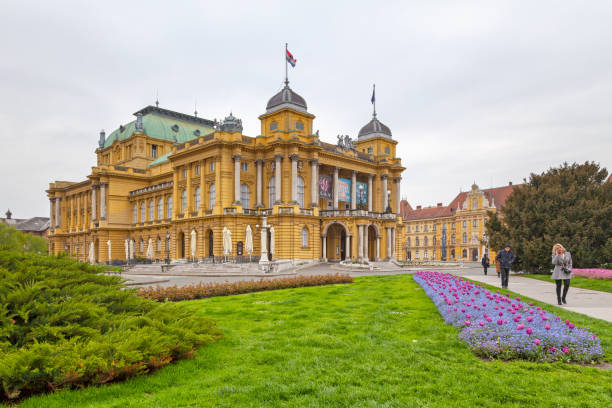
column 562, row 273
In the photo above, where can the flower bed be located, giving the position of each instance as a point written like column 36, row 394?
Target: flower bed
column 496, row 326
column 205, row 290
column 593, row 273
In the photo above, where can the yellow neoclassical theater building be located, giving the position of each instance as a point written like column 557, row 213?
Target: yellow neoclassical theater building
column 168, row 184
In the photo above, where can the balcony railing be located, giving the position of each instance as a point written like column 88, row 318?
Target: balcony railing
column 357, row 213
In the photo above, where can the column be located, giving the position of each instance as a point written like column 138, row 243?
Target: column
column 360, row 242
column 366, row 242
column 314, row 182
column 189, row 208
column 370, row 191
column 294, row 163
column 237, row 169
column 103, row 201
column 51, row 213
column 202, row 191
column 71, row 224
column 259, row 164
column 176, row 205
column 278, row 181
column 377, row 247
column 388, row 242
column 347, row 245
column 393, row 243
column 336, row 169
column 94, row 204
column 397, row 194
column 385, row 198
column 58, row 213
column 354, row 190
column 324, row 245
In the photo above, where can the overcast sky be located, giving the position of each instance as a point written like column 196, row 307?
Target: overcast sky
column 485, row 91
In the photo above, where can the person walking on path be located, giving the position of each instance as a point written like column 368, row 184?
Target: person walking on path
column 505, row 258
column 562, row 273
column 485, row 262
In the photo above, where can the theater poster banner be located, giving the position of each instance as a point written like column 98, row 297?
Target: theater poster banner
column 362, row 193
column 325, row 187
column 344, row 190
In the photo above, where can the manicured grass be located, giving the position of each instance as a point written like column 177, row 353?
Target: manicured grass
column 379, row 342
column 604, row 285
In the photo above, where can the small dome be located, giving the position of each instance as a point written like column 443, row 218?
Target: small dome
column 286, row 98
column 374, row 128
column 231, row 124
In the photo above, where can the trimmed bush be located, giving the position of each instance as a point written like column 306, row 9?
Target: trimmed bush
column 65, row 324
column 205, row 290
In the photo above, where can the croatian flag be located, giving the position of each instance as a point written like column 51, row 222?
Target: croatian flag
column 290, row 59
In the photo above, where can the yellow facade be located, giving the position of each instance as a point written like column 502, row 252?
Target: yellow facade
column 456, row 231
column 166, row 175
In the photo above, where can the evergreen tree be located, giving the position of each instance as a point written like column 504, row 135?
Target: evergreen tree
column 13, row 240
column 571, row 205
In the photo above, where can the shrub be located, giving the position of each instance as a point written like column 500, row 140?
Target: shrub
column 17, row 241
column 593, row 273
column 204, row 290
column 496, row 326
column 65, row 324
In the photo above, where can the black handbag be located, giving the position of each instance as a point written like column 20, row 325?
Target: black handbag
column 565, row 270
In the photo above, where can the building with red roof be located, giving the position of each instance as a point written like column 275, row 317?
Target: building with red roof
column 454, row 231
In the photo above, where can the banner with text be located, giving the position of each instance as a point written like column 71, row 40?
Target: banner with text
column 344, row 190
column 325, row 187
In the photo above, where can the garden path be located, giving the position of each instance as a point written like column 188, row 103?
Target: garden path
column 586, row 301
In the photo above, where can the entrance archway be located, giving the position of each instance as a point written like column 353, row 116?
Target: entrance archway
column 474, row 254
column 372, row 234
column 211, row 243
column 181, row 245
column 336, row 242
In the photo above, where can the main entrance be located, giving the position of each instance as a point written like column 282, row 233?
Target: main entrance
column 210, row 244
column 336, row 242
column 181, row 245
column 474, row 254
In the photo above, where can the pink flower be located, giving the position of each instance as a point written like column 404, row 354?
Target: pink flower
column 489, row 319
column 500, row 322
column 547, row 327
column 520, row 327
column 567, row 322
column 530, row 303
column 481, row 323
column 462, row 310
column 529, row 318
column 469, row 316
column 571, row 325
column 501, row 313
column 553, row 349
column 528, row 330
column 467, row 322
column 536, row 342
column 566, row 350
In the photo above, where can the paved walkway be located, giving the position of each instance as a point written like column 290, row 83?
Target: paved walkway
column 586, row 301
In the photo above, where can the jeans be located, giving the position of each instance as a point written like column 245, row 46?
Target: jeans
column 505, row 273
column 566, row 283
column 485, row 269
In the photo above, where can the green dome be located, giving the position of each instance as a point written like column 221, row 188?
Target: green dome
column 164, row 124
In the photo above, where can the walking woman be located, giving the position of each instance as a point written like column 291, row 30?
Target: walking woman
column 485, row 262
column 562, row 273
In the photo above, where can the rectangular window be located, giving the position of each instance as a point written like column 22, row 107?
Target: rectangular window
column 244, row 166
column 475, row 223
column 408, row 228
column 197, row 170
column 464, row 224
column 184, row 173
column 212, row 166
column 416, row 228
column 154, row 151
column 426, row 228
column 454, row 225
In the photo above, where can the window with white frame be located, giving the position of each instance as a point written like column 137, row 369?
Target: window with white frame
column 159, row 244
column 169, row 208
column 196, row 198
column 244, row 166
column 245, row 196
column 475, row 223
column 211, row 166
column 135, row 214
column 453, row 239
column 183, row 201
column 300, row 191
column 464, row 238
column 304, row 237
column 271, row 192
column 143, row 212
column 151, row 210
column 197, row 170
column 464, row 224
column 211, row 196
column 160, row 209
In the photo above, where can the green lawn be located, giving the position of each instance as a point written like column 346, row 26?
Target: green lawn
column 378, row 342
column 604, row 285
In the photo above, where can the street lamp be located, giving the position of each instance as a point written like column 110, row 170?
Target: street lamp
column 388, row 210
column 361, row 203
column 167, row 248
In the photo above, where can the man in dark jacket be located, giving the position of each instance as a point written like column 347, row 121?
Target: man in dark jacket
column 505, row 257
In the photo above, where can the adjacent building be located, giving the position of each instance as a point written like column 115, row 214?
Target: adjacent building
column 456, row 231
column 38, row 226
column 167, row 184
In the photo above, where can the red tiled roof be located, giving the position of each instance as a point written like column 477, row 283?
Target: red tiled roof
column 498, row 194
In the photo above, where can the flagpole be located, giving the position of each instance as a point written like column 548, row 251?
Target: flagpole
column 374, row 97
column 286, row 68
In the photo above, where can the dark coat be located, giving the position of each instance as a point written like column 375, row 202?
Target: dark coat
column 505, row 258
column 485, row 261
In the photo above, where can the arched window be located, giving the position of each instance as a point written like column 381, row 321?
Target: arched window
column 453, row 239
column 464, row 254
column 143, row 212
column 300, row 191
column 425, row 241
column 135, row 214
column 417, row 241
column 159, row 244
column 196, row 198
column 183, row 201
column 245, row 196
column 169, row 208
column 141, row 245
column 160, row 209
column 304, row 237
column 271, row 192
column 211, row 196
column 464, row 237
column 151, row 210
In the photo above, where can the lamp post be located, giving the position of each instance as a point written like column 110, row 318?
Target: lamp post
column 388, row 209
column 167, row 248
column 361, row 204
